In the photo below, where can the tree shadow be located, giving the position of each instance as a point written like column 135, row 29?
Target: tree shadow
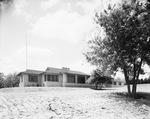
column 103, row 89
column 141, row 97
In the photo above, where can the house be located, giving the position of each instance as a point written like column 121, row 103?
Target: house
column 112, row 83
column 118, row 82
column 63, row 77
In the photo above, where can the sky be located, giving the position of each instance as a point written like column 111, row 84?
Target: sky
column 36, row 34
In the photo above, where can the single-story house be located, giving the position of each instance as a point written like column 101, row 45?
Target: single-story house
column 63, row 77
column 118, row 82
column 113, row 83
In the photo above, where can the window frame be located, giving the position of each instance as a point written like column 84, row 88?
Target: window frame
column 53, row 78
column 81, row 79
column 71, row 78
column 32, row 78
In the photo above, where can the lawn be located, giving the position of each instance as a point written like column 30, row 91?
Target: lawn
column 72, row 103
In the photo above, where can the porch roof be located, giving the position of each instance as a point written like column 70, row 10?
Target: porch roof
column 28, row 71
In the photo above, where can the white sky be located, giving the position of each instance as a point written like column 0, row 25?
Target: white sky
column 56, row 32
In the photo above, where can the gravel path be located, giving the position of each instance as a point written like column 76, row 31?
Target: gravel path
column 67, row 103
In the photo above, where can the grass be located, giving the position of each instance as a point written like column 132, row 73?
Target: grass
column 141, row 97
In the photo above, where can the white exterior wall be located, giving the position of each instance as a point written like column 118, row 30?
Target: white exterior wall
column 62, row 81
column 42, row 80
column 117, row 84
column 21, row 83
column 61, row 78
column 27, row 83
column 77, row 85
column 52, row 84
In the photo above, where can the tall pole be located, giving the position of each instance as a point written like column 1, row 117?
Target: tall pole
column 26, row 53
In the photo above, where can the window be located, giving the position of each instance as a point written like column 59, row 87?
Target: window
column 81, row 79
column 33, row 78
column 49, row 78
column 44, row 77
column 52, row 77
column 70, row 78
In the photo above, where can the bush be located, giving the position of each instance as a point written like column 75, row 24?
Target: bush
column 10, row 80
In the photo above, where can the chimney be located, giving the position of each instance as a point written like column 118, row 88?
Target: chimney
column 65, row 68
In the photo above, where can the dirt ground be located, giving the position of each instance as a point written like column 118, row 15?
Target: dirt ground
column 68, row 103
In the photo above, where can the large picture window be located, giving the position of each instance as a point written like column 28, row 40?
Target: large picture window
column 52, row 78
column 81, row 79
column 33, row 78
column 70, row 78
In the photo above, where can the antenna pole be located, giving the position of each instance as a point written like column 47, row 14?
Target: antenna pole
column 26, row 53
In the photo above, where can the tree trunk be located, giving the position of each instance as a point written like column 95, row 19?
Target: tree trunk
column 136, row 77
column 129, row 90
column 134, row 86
column 127, row 81
column 134, row 80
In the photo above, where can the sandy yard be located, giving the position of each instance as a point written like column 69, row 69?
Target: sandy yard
column 68, row 103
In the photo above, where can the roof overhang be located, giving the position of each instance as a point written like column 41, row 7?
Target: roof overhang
column 35, row 72
column 81, row 74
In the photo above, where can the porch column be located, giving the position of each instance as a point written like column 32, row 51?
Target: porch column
column 45, row 80
column 85, row 79
column 22, row 77
column 64, row 79
column 76, row 78
column 43, row 76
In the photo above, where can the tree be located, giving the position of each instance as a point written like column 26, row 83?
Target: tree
column 5, row 4
column 1, row 80
column 11, row 80
column 145, row 80
column 99, row 79
column 126, row 41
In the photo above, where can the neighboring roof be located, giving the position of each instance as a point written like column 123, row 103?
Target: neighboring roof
column 64, row 70
column 29, row 71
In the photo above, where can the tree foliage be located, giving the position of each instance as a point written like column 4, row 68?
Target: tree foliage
column 5, row 4
column 99, row 79
column 11, row 80
column 126, row 42
column 1, row 80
